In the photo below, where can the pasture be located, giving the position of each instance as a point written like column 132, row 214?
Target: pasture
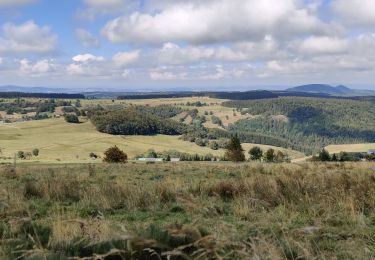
column 60, row 142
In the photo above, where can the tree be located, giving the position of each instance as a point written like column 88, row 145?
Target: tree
column 334, row 158
column 270, row 155
column 35, row 152
column 70, row 118
column 168, row 158
column 21, row 154
column 151, row 154
column 115, row 155
column 256, row 153
column 324, row 155
column 280, row 156
column 234, row 151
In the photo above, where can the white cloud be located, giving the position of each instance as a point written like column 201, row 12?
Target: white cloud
column 8, row 3
column 85, row 58
column 27, row 38
column 356, row 12
column 126, row 58
column 215, row 21
column 35, row 69
column 167, row 75
column 86, row 38
column 323, row 45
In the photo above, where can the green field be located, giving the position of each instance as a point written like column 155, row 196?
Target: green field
column 60, row 142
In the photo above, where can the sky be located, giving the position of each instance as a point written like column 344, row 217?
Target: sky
column 187, row 44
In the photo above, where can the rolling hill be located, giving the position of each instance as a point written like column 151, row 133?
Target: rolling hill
column 331, row 90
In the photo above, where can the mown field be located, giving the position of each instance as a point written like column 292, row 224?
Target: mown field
column 351, row 148
column 189, row 210
column 60, row 142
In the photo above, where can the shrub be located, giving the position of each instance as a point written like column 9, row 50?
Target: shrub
column 93, row 155
column 73, row 119
column 270, row 155
column 21, row 155
column 35, row 152
column 115, row 155
column 256, row 153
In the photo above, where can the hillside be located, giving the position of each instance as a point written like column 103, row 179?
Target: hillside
column 328, row 89
column 309, row 124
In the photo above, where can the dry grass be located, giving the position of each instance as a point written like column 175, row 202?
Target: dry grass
column 200, row 210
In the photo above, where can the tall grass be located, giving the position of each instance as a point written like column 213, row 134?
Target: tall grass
column 204, row 211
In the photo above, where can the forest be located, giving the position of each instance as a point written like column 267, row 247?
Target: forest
column 308, row 124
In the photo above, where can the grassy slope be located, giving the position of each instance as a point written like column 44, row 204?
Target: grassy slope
column 59, row 141
column 350, row 148
column 254, row 211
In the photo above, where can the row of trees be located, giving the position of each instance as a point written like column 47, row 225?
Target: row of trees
column 235, row 153
column 325, row 156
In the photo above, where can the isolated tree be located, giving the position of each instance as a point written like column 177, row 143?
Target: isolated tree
column 256, row 153
column 270, row 155
column 115, row 155
column 70, row 118
column 324, row 155
column 35, row 152
column 334, row 158
column 234, row 151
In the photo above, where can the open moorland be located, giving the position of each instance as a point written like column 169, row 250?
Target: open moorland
column 188, row 210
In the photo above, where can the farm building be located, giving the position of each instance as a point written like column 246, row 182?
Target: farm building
column 150, row 159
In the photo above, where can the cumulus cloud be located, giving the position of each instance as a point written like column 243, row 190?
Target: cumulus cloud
column 86, row 38
column 35, row 69
column 85, row 58
column 215, row 21
column 9, row 3
column 323, row 45
column 356, row 12
column 27, row 38
column 126, row 58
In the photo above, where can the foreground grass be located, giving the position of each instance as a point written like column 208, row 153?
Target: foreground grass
column 307, row 211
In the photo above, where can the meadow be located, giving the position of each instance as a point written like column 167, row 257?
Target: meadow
column 61, row 142
column 188, row 210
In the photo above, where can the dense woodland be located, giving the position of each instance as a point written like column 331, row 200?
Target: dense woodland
column 310, row 123
column 133, row 122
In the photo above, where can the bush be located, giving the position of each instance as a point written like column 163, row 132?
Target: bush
column 35, row 152
column 93, row 156
column 115, row 155
column 256, row 153
column 70, row 118
column 21, row 155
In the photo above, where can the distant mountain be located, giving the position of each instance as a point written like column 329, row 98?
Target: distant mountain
column 11, row 88
column 331, row 90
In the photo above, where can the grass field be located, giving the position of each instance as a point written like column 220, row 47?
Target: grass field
column 60, row 142
column 189, row 210
column 350, row 148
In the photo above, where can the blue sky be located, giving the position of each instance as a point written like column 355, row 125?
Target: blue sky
column 192, row 44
